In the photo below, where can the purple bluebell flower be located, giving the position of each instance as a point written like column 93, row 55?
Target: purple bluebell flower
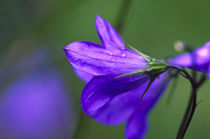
column 34, row 106
column 106, row 98
column 198, row 60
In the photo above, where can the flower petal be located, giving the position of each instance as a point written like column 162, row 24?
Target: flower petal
column 92, row 59
column 209, row 70
column 121, row 107
column 84, row 75
column 117, row 110
column 198, row 60
column 107, row 34
column 154, row 92
column 102, row 89
column 136, row 127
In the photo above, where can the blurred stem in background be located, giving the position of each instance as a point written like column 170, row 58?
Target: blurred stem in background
column 120, row 24
column 29, row 33
column 122, row 15
column 34, row 27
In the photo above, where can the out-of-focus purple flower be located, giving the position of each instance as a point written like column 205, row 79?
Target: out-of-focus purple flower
column 107, row 99
column 199, row 59
column 36, row 106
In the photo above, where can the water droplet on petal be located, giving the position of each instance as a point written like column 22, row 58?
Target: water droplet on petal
column 124, row 55
column 110, row 53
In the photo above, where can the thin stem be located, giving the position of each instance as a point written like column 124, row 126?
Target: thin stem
column 184, row 73
column 182, row 127
column 81, row 121
column 192, row 103
column 122, row 15
column 202, row 80
column 186, row 119
column 193, row 107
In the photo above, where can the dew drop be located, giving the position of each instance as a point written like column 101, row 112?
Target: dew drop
column 123, row 55
column 110, row 53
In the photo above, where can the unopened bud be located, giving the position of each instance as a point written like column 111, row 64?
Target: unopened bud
column 179, row 46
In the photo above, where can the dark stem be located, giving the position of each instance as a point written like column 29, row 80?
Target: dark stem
column 202, row 80
column 192, row 104
column 192, row 111
column 188, row 115
column 193, row 98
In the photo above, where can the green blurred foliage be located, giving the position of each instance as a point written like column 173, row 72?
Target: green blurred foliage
column 151, row 26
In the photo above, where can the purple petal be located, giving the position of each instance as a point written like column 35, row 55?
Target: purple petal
column 154, row 93
column 102, row 89
column 209, row 70
column 84, row 75
column 91, row 59
column 117, row 110
column 109, row 37
column 198, row 60
column 136, row 127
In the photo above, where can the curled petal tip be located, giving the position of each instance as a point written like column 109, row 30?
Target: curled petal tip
column 67, row 47
column 98, row 17
column 107, row 34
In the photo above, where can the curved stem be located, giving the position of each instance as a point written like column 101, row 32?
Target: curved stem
column 193, row 107
column 191, row 104
column 184, row 73
column 188, row 114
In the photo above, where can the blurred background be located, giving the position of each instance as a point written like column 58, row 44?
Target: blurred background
column 39, row 92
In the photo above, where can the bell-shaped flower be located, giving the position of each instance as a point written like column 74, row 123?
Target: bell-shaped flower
column 116, row 79
column 198, row 60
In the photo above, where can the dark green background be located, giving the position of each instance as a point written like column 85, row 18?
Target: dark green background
column 152, row 26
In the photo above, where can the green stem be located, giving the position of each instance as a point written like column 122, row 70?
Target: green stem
column 80, row 123
column 122, row 15
column 172, row 90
